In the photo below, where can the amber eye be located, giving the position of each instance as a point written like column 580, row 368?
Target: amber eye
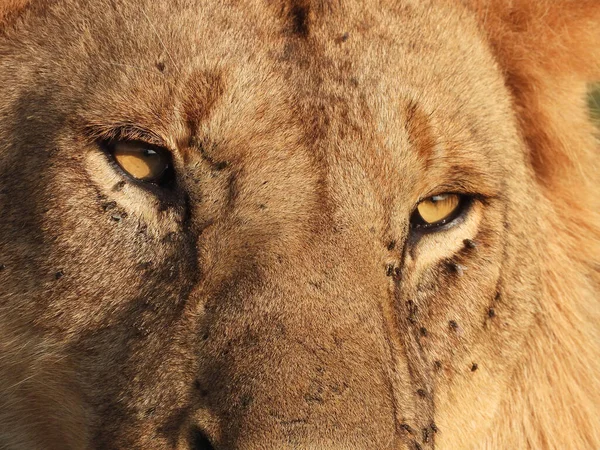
column 142, row 161
column 438, row 210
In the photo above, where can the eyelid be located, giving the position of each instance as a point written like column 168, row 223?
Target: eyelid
column 463, row 187
column 125, row 132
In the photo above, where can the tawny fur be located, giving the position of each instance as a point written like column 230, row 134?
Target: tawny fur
column 278, row 298
column 550, row 53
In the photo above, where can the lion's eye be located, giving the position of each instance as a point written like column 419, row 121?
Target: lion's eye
column 438, row 210
column 142, row 161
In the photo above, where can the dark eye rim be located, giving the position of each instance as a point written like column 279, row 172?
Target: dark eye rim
column 418, row 224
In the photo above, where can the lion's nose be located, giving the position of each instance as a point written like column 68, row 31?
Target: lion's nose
column 199, row 440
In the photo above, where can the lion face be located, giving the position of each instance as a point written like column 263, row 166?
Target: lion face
column 258, row 226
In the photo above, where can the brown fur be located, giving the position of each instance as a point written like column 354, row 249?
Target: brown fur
column 276, row 297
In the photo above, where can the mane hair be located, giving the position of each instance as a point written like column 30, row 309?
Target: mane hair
column 549, row 52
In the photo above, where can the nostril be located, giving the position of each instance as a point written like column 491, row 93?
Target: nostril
column 199, row 440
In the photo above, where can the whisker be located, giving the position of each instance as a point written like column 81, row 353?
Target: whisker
column 161, row 42
column 142, row 69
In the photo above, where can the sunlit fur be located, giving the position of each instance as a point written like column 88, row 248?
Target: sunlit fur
column 278, row 298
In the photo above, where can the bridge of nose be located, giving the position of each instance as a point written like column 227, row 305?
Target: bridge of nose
column 297, row 350
column 298, row 342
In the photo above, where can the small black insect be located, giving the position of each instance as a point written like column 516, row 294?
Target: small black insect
column 469, row 243
column 389, row 270
column 425, row 435
column 459, row 269
column 109, row 205
column 412, row 311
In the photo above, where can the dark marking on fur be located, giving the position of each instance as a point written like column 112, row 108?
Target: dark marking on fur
column 412, row 311
column 470, row 244
column 418, row 446
column 458, row 269
column 109, row 206
column 418, row 359
column 391, row 245
column 118, row 186
column 434, row 427
column 406, row 427
column 491, row 313
column 59, row 274
column 474, row 367
column 246, row 400
column 420, row 133
column 145, row 265
column 203, row 90
column 160, row 66
column 343, row 38
column 221, row 165
column 2, row 267
column 389, row 270
column 423, row 331
column 186, row 220
column 170, row 237
column 425, row 435
column 453, row 325
column 233, row 190
column 438, row 365
column 299, row 19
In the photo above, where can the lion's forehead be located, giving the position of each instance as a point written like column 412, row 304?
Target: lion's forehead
column 346, row 74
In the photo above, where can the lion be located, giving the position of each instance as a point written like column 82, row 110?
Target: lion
column 246, row 224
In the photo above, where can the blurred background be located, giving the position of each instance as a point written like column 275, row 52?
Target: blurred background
column 594, row 103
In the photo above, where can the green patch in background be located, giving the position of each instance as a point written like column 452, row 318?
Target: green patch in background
column 594, row 102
